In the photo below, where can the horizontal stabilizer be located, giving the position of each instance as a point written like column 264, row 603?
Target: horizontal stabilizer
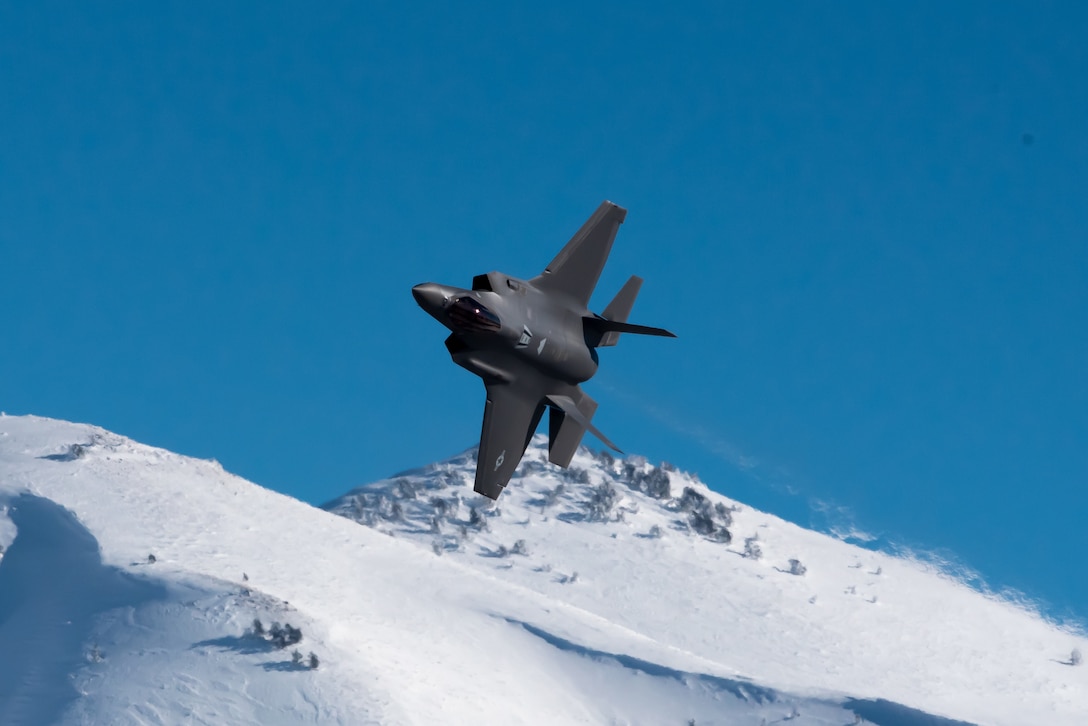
column 602, row 326
column 620, row 309
column 570, row 408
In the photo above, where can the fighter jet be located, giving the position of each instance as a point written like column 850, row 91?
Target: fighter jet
column 532, row 342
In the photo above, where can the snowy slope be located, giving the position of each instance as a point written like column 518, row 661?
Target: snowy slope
column 443, row 627
column 857, row 622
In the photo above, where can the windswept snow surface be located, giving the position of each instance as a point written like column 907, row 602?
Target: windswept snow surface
column 625, row 602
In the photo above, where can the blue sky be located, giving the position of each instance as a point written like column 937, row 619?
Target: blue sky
column 866, row 222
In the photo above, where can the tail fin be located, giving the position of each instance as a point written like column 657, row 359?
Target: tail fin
column 605, row 329
column 619, row 309
column 577, row 267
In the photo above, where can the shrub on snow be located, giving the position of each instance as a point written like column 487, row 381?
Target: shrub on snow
column 656, row 484
column 601, row 501
column 553, row 495
column 752, row 550
column 440, row 506
column 283, row 636
column 477, row 520
column 691, row 500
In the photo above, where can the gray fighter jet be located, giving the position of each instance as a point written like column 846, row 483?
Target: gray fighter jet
column 532, row 342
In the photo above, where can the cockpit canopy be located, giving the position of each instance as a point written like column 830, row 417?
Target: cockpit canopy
column 470, row 314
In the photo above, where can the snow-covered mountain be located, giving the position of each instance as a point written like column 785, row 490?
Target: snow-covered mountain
column 614, row 592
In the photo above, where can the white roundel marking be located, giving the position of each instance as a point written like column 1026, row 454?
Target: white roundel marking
column 500, row 460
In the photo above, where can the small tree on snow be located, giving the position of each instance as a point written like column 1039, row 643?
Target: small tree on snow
column 477, row 520
column 601, row 501
column 314, row 662
column 440, row 506
column 283, row 636
column 553, row 496
column 296, row 657
column 691, row 500
column 796, row 568
column 258, row 627
column 1075, row 657
column 752, row 550
column 656, row 484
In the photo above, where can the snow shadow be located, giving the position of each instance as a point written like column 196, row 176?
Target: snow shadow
column 880, row 712
column 75, row 451
column 887, row 713
column 244, row 644
column 52, row 586
column 743, row 690
column 285, row 666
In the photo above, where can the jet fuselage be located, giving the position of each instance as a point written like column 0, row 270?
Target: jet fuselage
column 513, row 319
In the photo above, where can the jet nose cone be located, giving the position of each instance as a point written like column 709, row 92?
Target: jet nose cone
column 429, row 296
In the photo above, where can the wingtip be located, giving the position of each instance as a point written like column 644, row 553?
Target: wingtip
column 620, row 211
column 492, row 494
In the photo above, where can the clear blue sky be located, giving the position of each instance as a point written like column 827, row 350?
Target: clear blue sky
column 868, row 222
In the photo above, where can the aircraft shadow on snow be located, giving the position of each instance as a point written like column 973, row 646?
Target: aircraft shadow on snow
column 876, row 711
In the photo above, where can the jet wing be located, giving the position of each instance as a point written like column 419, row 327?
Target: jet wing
column 576, row 269
column 511, row 415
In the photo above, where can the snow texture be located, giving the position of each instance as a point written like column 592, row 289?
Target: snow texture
column 615, row 592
